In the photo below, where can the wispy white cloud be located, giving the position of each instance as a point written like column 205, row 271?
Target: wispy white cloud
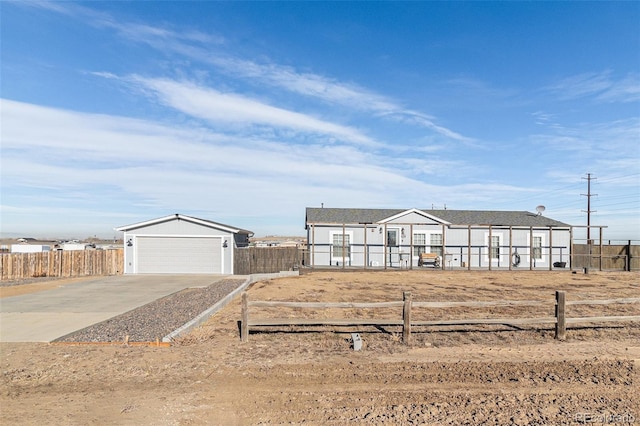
column 328, row 90
column 606, row 146
column 152, row 34
column 303, row 83
column 138, row 32
column 59, row 7
column 478, row 89
column 215, row 106
column 602, row 86
column 543, row 118
column 624, row 90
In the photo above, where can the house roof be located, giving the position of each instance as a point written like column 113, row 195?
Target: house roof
column 178, row 216
column 453, row 217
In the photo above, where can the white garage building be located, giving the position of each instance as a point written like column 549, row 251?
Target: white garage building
column 180, row 244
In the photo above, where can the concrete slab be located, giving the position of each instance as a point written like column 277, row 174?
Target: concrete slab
column 47, row 315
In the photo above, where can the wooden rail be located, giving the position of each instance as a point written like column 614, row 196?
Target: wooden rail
column 620, row 318
column 559, row 319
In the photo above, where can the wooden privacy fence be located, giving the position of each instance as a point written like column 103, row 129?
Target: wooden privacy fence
column 266, row 260
column 608, row 257
column 75, row 263
column 560, row 318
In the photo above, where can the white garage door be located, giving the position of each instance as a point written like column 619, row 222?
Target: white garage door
column 178, row 255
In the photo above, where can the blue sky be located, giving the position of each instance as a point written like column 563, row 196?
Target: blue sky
column 247, row 112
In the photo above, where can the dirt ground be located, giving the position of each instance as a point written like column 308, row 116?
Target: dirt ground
column 452, row 375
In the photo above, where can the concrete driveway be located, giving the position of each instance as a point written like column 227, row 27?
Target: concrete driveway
column 50, row 314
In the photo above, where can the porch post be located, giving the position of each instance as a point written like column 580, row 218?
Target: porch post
column 384, row 241
column 313, row 245
column 510, row 247
column 411, row 246
column 343, row 245
column 571, row 248
column 531, row 248
column 550, row 248
column 490, row 245
column 469, row 250
column 366, row 252
column 444, row 248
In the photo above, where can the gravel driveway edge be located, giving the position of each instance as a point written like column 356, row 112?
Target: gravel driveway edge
column 186, row 328
column 208, row 313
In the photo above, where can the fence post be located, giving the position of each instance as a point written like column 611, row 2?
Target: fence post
column 244, row 326
column 406, row 317
column 561, row 323
column 600, row 269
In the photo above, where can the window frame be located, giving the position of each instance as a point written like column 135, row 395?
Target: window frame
column 542, row 259
column 428, row 246
column 436, row 248
column 347, row 247
column 421, row 248
column 487, row 256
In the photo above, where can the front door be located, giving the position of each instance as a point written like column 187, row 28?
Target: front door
column 393, row 243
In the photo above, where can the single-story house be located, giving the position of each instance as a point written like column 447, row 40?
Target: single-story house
column 180, row 244
column 73, row 246
column 459, row 238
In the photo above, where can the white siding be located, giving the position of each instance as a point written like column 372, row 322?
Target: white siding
column 28, row 248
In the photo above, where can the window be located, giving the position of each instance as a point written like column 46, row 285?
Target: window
column 341, row 245
column 495, row 247
column 537, row 247
column 419, row 244
column 436, row 244
column 537, row 241
column 493, row 242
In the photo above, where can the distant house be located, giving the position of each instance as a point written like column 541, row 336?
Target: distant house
column 29, row 248
column 181, row 244
column 73, row 246
column 289, row 243
column 459, row 238
column 277, row 243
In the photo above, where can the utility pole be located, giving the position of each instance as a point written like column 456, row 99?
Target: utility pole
column 589, row 211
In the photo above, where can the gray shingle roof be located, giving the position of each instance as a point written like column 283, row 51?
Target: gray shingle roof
column 455, row 217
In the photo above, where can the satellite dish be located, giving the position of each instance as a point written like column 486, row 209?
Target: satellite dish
column 540, row 209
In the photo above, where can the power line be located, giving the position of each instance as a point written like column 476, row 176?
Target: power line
column 618, row 177
column 623, row 196
column 618, row 204
column 534, row 194
column 567, row 204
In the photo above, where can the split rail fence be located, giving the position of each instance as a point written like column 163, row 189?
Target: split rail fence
column 560, row 318
column 75, row 263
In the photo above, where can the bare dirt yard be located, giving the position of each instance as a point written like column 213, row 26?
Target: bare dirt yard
column 454, row 375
